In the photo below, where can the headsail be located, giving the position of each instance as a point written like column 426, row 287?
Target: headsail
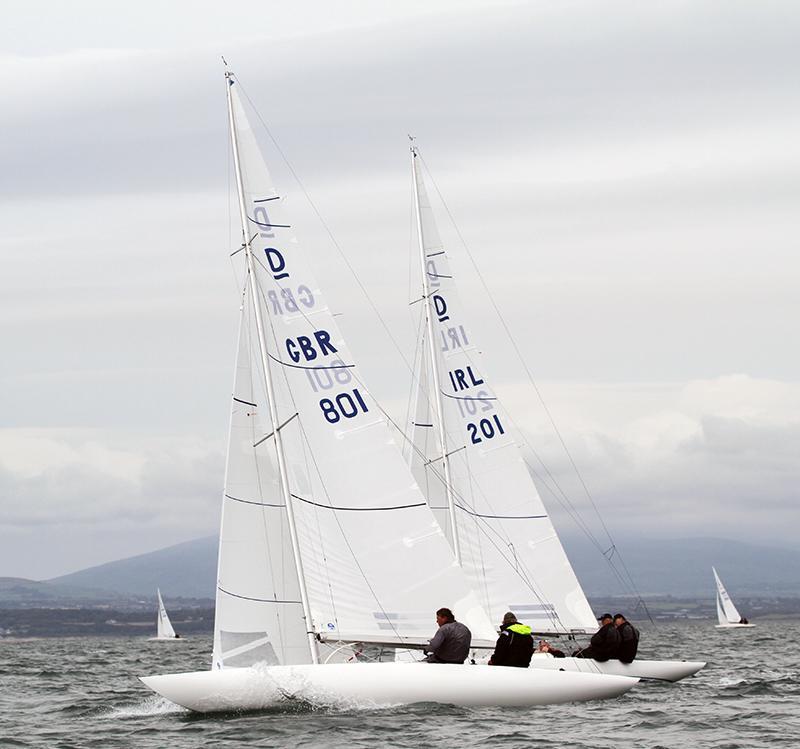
column 509, row 548
column 375, row 563
column 726, row 611
column 164, row 630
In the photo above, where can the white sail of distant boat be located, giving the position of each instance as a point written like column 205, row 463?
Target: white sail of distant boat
column 164, row 628
column 326, row 540
column 472, row 471
column 728, row 615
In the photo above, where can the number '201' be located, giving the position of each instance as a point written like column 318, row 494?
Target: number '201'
column 485, row 429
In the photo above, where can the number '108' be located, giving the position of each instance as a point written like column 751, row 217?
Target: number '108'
column 345, row 405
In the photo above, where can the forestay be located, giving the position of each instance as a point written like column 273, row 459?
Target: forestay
column 509, row 548
column 375, row 563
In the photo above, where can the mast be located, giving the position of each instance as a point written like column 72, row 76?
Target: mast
column 426, row 295
column 273, row 411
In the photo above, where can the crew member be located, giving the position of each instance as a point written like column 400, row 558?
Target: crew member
column 451, row 642
column 514, row 646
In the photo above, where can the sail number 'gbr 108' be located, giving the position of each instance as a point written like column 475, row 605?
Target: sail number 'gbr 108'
column 311, row 352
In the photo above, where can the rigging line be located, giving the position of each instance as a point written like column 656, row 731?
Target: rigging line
column 501, row 544
column 281, row 426
column 524, row 364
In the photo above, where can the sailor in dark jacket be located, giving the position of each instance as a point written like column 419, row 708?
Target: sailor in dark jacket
column 629, row 639
column 604, row 643
column 514, row 645
column 451, row 642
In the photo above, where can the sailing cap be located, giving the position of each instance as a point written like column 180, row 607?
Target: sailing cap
column 604, row 616
column 509, row 617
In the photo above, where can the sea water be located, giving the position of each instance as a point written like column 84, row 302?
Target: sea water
column 83, row 692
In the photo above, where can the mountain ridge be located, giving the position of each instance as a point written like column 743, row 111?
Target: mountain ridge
column 657, row 566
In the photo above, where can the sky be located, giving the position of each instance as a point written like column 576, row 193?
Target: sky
column 623, row 177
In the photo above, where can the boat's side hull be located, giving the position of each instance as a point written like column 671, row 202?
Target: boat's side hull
column 734, row 626
column 381, row 684
column 640, row 669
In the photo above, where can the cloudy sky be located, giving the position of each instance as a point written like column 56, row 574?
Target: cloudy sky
column 625, row 175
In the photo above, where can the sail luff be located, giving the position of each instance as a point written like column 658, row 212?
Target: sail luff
column 437, row 399
column 281, row 458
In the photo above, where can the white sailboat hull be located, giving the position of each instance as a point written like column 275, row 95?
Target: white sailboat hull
column 734, row 626
column 640, row 669
column 381, row 685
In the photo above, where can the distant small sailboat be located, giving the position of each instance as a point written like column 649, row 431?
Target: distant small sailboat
column 165, row 629
column 728, row 615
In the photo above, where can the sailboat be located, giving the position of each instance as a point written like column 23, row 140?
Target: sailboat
column 474, row 476
column 727, row 614
column 326, row 541
column 164, row 628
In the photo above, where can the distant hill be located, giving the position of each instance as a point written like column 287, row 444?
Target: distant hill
column 680, row 567
column 187, row 570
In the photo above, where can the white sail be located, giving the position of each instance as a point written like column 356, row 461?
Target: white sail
column 374, row 562
column 164, row 625
column 726, row 611
column 508, row 546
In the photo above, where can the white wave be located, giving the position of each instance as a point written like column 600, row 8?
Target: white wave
column 154, row 705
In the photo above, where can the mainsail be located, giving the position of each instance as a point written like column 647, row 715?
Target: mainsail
column 164, row 626
column 726, row 611
column 324, row 535
column 471, row 469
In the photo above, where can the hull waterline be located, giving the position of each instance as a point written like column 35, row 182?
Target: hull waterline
column 381, row 685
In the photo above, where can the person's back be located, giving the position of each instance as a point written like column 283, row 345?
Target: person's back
column 629, row 642
column 451, row 642
column 605, row 642
column 514, row 646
